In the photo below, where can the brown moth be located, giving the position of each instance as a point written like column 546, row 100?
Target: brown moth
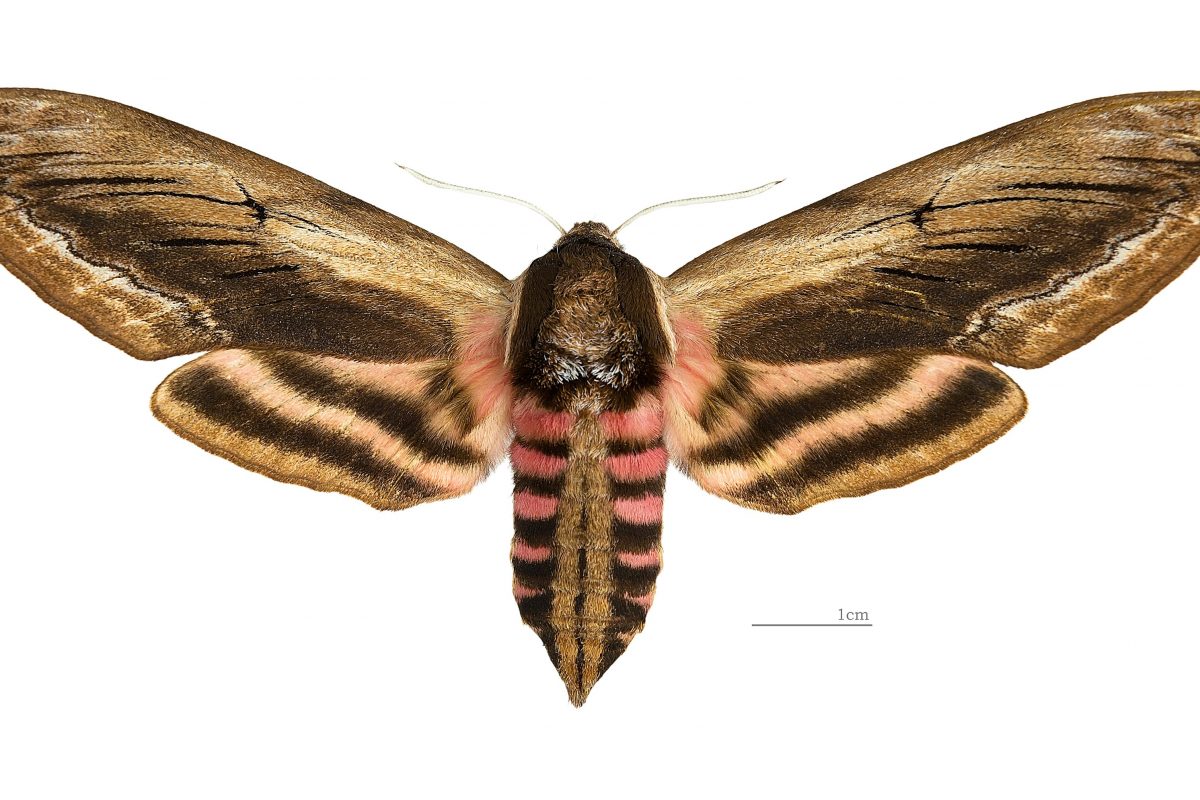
column 843, row 348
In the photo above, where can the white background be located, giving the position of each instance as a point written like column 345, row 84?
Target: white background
column 172, row 626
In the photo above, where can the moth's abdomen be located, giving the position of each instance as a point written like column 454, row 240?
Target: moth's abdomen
column 587, row 505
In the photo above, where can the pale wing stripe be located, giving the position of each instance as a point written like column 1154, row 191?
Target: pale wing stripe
column 913, row 395
column 262, row 386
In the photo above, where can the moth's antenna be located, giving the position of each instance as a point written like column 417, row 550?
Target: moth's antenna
column 711, row 198
column 443, row 185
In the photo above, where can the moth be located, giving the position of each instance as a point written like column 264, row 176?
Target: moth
column 843, row 348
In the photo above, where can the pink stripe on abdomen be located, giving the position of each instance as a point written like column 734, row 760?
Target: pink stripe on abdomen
column 525, row 551
column 528, row 461
column 523, row 592
column 534, row 506
column 643, row 600
column 644, row 510
column 531, row 421
column 650, row 558
column 642, row 423
column 638, row 466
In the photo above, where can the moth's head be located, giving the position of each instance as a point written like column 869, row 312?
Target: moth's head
column 587, row 298
column 595, row 231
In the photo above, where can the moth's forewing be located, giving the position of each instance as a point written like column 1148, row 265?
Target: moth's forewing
column 1016, row 246
column 163, row 240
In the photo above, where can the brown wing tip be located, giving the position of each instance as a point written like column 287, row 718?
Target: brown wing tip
column 119, row 317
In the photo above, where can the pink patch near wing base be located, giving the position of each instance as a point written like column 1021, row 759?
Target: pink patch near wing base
column 696, row 366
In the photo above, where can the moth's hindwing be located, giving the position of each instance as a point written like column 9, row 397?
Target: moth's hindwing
column 784, row 437
column 392, row 435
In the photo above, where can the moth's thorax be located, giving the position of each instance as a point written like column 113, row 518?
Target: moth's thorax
column 586, row 333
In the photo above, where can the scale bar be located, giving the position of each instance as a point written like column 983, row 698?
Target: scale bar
column 811, row 624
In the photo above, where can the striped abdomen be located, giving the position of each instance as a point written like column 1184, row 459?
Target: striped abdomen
column 588, row 512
